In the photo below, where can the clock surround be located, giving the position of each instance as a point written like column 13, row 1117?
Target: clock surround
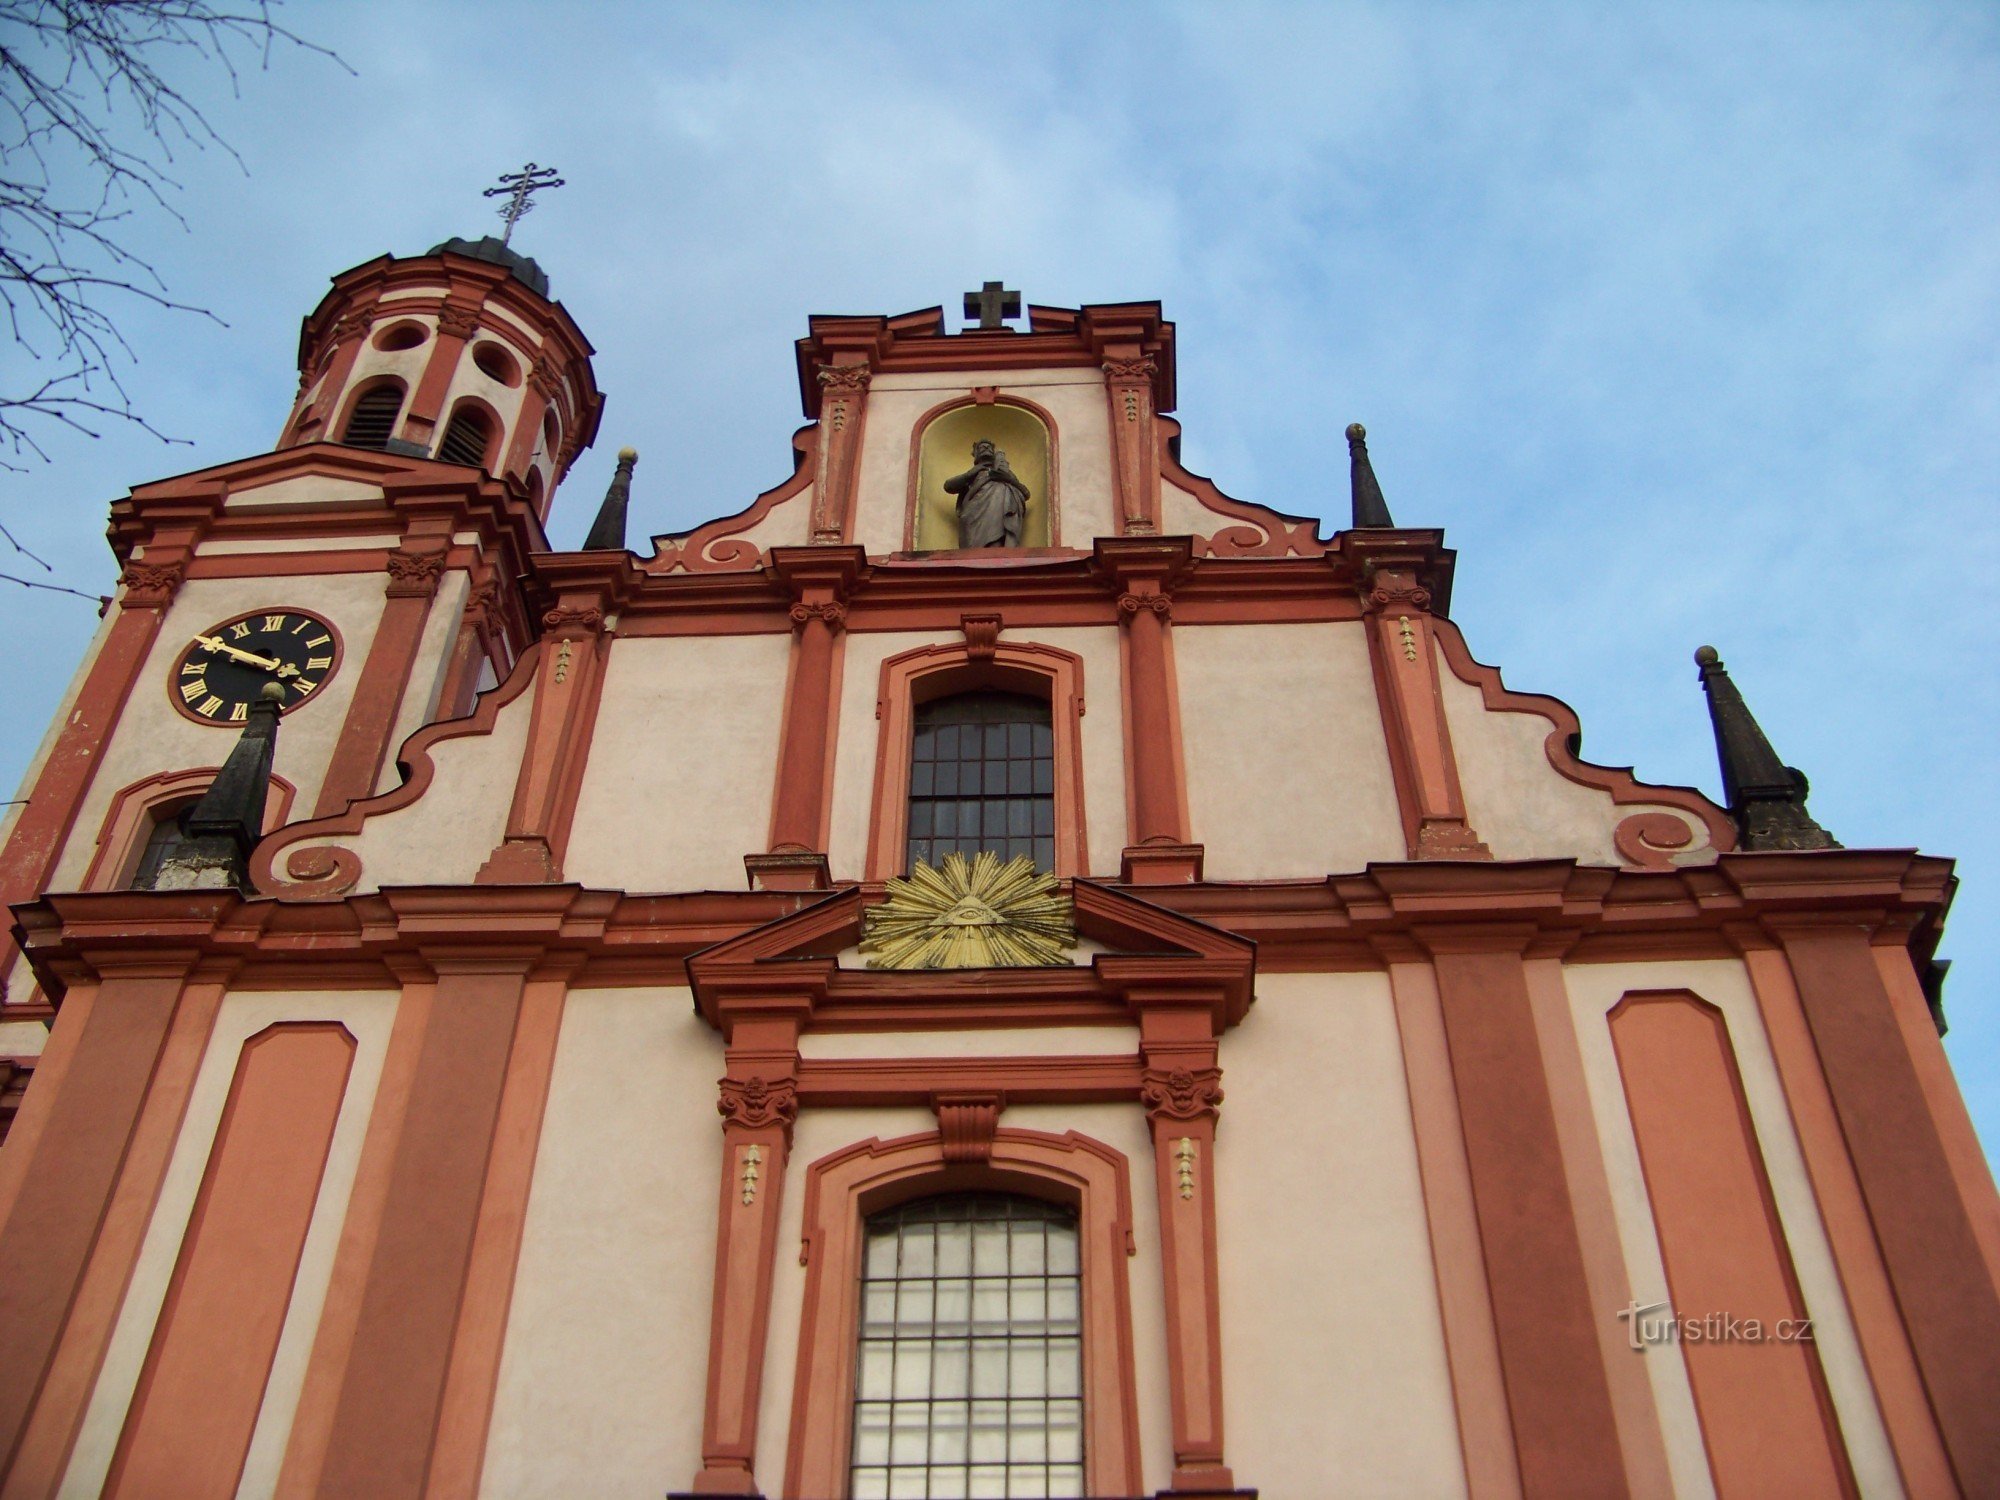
column 219, row 672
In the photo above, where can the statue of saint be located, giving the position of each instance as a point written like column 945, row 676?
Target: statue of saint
column 992, row 501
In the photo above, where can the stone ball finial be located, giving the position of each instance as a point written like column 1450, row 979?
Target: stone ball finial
column 1706, row 656
column 1356, row 432
column 628, row 455
column 272, row 692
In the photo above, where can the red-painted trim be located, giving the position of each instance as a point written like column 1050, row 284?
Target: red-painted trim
column 1559, row 1401
column 1264, row 532
column 356, row 762
column 1767, row 1419
column 708, row 548
column 1948, row 1299
column 1145, row 570
column 871, row 1175
column 1560, row 745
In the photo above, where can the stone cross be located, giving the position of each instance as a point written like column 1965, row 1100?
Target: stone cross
column 992, row 304
column 517, row 188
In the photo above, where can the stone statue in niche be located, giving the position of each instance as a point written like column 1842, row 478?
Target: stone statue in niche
column 992, row 501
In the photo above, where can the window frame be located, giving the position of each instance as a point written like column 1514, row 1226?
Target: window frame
column 136, row 807
column 1086, row 1176
column 927, row 673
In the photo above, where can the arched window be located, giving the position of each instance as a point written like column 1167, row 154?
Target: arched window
column 465, row 438
column 969, row 1352
column 982, row 776
column 373, row 419
column 168, row 837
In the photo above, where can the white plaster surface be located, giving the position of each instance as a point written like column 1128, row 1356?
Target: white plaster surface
column 1334, row 1365
column 1074, row 399
column 1287, row 768
column 1181, row 514
column 152, row 736
column 1103, row 738
column 1594, row 989
column 606, row 1356
column 445, row 835
column 1519, row 804
column 301, row 489
column 682, row 765
column 368, row 1018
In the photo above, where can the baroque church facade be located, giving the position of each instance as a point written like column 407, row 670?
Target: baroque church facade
column 998, row 969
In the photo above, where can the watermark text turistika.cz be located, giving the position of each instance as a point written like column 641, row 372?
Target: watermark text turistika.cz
column 1657, row 1323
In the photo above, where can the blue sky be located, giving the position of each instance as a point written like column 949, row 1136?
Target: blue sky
column 1681, row 320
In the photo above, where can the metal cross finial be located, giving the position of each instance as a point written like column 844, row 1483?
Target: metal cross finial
column 517, row 188
column 992, row 304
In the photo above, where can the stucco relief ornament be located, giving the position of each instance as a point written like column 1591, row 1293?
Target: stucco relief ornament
column 152, row 585
column 1181, row 1093
column 754, row 1102
column 414, row 573
column 971, row 914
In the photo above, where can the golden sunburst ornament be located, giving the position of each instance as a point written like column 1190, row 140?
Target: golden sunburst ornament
column 977, row 914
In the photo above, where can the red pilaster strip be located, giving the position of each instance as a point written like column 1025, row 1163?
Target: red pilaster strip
column 843, row 412
column 1949, row 1302
column 457, row 321
column 36, row 841
column 393, row 1388
column 1558, row 1395
column 569, row 682
column 47, row 1239
column 1406, row 677
column 356, row 762
column 820, row 579
column 350, row 336
column 542, row 387
column 1129, row 380
column 1182, row 1089
column 468, row 652
column 1145, row 570
column 758, row 1103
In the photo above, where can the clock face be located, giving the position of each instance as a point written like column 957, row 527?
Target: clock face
column 220, row 673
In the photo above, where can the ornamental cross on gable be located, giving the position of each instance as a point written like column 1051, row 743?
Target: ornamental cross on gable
column 518, row 188
column 992, row 304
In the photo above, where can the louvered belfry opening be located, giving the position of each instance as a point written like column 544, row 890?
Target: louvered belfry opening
column 373, row 419
column 465, row 438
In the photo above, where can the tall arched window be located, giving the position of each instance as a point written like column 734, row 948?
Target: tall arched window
column 982, row 776
column 465, row 438
column 373, row 419
column 969, row 1360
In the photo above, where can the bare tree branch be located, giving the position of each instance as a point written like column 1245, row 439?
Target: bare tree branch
column 93, row 112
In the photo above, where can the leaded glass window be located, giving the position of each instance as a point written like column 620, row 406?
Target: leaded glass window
column 982, row 776
column 969, row 1368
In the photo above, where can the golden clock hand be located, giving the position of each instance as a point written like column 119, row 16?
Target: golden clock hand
column 217, row 643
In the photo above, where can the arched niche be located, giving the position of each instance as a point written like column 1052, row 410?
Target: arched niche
column 944, row 447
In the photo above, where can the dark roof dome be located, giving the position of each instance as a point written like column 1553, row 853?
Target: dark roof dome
column 490, row 249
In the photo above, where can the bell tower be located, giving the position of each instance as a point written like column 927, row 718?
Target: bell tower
column 457, row 355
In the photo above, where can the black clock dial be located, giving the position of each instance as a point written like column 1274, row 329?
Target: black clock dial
column 221, row 672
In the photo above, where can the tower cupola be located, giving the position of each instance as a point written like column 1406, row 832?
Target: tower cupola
column 458, row 355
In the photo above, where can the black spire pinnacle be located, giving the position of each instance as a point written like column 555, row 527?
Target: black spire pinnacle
column 1766, row 797
column 225, row 825
column 607, row 532
column 1370, row 509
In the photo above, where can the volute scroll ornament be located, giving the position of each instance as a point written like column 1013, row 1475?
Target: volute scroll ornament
column 574, row 620
column 832, row 612
column 845, row 380
column 1181, row 1093
column 1159, row 604
column 756, row 1102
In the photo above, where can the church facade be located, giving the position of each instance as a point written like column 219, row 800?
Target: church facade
column 999, row 969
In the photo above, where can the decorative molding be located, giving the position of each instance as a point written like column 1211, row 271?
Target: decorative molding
column 1161, row 604
column 1181, row 1093
column 982, row 635
column 966, row 1125
column 151, row 585
column 1651, row 839
column 545, row 377
column 482, row 602
column 457, row 322
column 845, row 380
column 754, row 1103
column 1131, row 369
column 414, row 575
column 752, row 1160
column 573, row 621
column 1185, row 1156
column 832, row 611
